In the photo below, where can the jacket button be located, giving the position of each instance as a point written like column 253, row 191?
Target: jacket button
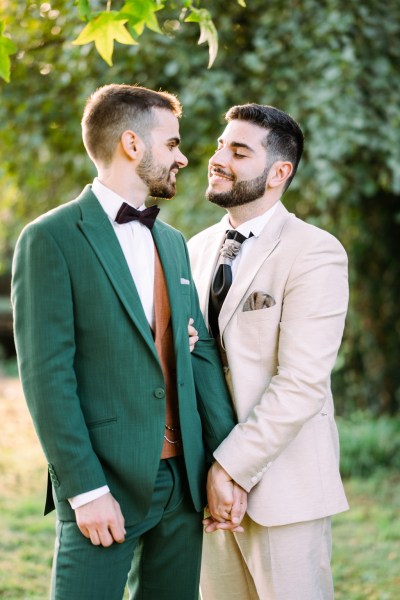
column 159, row 393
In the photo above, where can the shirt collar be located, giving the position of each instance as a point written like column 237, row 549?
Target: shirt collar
column 110, row 201
column 255, row 226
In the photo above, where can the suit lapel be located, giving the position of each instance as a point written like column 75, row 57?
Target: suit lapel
column 169, row 254
column 98, row 230
column 207, row 263
column 251, row 264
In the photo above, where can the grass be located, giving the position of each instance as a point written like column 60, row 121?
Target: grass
column 26, row 539
column 366, row 553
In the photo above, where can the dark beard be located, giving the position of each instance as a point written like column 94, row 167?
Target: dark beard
column 156, row 178
column 242, row 192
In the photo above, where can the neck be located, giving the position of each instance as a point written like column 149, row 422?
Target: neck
column 252, row 210
column 129, row 186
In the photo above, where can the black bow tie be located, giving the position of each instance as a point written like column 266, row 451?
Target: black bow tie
column 127, row 213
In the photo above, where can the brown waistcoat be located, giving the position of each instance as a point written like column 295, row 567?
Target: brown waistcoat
column 164, row 342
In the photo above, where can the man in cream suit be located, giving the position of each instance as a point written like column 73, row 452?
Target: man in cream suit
column 127, row 417
column 279, row 326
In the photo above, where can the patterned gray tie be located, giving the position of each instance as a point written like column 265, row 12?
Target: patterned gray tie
column 223, row 276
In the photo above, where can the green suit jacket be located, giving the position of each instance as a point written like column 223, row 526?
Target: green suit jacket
column 89, row 367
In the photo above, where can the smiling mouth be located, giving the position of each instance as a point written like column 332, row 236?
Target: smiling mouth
column 216, row 174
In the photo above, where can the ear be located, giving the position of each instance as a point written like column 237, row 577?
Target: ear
column 279, row 173
column 131, row 144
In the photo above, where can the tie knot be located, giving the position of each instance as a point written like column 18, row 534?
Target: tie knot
column 231, row 246
column 232, row 234
column 127, row 213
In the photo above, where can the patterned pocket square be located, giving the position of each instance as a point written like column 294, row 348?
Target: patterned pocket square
column 257, row 301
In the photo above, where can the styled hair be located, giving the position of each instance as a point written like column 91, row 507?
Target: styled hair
column 115, row 108
column 284, row 139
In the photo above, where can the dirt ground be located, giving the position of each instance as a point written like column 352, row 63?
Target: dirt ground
column 21, row 457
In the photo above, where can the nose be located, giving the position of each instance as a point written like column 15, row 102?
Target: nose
column 181, row 159
column 219, row 158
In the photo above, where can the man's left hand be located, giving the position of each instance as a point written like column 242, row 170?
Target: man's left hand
column 193, row 337
column 238, row 511
column 227, row 501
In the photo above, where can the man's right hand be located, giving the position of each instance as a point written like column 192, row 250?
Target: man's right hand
column 227, row 501
column 101, row 521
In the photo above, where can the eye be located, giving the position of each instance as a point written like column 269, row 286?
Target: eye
column 172, row 144
column 238, row 155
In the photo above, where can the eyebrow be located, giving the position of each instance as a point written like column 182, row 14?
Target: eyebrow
column 238, row 145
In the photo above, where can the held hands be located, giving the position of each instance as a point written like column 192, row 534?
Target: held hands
column 101, row 521
column 193, row 337
column 227, row 501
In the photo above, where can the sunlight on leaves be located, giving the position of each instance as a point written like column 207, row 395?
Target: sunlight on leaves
column 140, row 13
column 103, row 30
column 7, row 47
column 208, row 32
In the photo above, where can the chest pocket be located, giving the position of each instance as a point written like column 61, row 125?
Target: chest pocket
column 269, row 316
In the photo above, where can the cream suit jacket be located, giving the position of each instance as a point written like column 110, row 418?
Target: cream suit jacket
column 285, row 449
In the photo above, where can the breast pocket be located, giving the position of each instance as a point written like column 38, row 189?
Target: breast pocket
column 259, row 330
column 270, row 316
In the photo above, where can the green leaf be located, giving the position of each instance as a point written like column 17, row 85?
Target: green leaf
column 103, row 30
column 84, row 10
column 140, row 13
column 208, row 32
column 7, row 47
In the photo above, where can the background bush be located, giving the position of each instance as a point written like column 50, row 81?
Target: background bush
column 368, row 444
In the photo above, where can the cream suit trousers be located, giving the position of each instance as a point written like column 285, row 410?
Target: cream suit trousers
column 290, row 562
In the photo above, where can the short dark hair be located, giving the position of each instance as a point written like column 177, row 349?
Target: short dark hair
column 114, row 108
column 284, row 140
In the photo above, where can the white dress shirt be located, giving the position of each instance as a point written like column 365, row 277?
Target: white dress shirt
column 136, row 243
column 138, row 247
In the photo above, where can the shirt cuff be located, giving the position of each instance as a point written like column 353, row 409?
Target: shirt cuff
column 82, row 499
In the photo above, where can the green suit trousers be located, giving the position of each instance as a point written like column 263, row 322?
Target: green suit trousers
column 162, row 553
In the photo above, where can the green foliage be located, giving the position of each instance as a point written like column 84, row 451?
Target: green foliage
column 208, row 33
column 7, row 48
column 84, row 11
column 105, row 27
column 334, row 66
column 368, row 444
column 103, row 30
column 142, row 13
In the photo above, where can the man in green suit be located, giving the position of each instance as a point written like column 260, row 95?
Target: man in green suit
column 127, row 417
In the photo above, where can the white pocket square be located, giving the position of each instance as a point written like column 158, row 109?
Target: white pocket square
column 185, row 281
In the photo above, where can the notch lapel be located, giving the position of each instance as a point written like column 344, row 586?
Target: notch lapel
column 206, row 265
column 251, row 264
column 169, row 252
column 97, row 229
